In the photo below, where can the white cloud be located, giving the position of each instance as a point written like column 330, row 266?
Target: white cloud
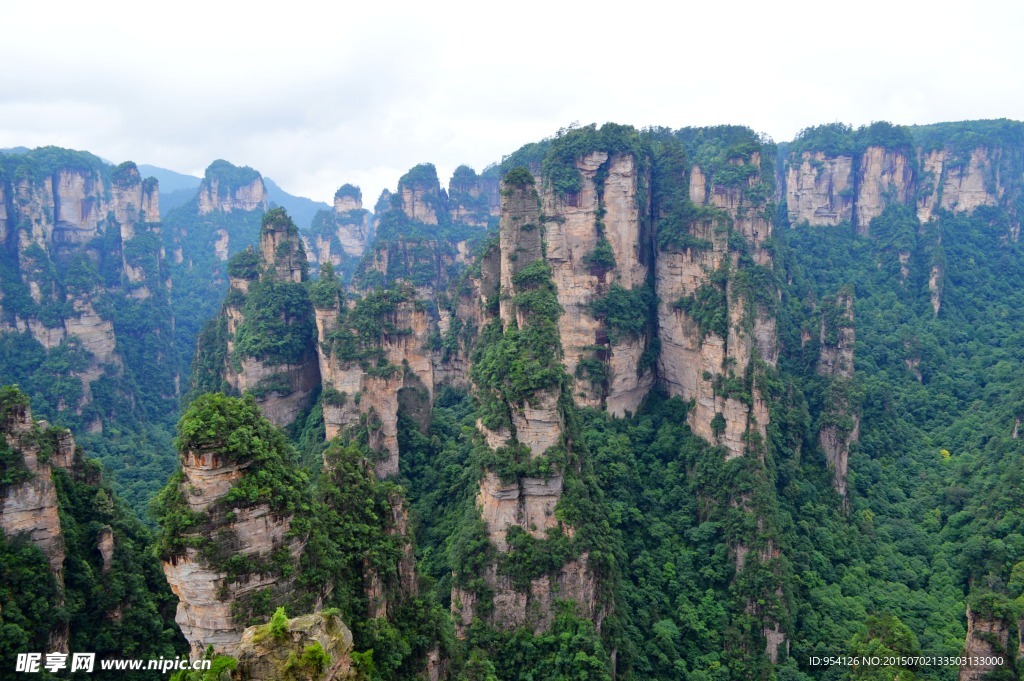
column 315, row 95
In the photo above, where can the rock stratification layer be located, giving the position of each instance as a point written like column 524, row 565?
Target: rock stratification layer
column 224, row 549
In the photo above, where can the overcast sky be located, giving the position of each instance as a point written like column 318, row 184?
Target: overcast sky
column 314, row 95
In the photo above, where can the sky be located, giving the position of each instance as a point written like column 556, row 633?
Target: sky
column 315, row 95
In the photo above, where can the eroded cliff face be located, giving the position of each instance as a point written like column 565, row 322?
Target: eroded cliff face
column 362, row 387
column 214, row 604
column 339, row 236
column 607, row 211
column 535, row 424
column 840, row 424
column 819, row 189
column 473, row 199
column 30, row 507
column 987, row 638
column 83, row 237
column 885, row 176
column 959, row 184
column 268, row 307
column 217, row 194
column 825, row 189
column 264, row 656
column 712, row 327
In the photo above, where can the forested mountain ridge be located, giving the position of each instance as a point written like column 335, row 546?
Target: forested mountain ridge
column 699, row 406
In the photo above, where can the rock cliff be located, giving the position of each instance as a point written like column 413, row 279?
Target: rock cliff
column 29, row 505
column 819, row 189
column 840, row 424
column 226, row 188
column 525, row 423
column 83, row 237
column 229, row 553
column 473, row 199
column 268, row 349
column 987, row 639
column 715, row 302
column 929, row 168
column 341, row 236
column 264, row 655
column 596, row 239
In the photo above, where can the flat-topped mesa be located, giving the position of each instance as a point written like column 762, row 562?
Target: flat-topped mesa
column 474, row 199
column 214, row 512
column 840, row 422
column 522, row 420
column 267, row 346
column 716, row 295
column 226, row 188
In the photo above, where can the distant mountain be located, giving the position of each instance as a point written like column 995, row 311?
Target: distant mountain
column 170, row 181
column 177, row 189
column 299, row 208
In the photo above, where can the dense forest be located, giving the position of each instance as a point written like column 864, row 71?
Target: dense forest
column 631, row 404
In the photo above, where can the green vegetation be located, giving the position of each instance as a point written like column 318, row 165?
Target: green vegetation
column 40, row 163
column 363, row 329
column 32, row 604
column 625, row 311
column 278, row 326
column 708, row 308
column 602, row 258
column 245, row 265
column 349, row 191
column 229, row 176
column 422, row 177
column 510, row 365
column 559, row 165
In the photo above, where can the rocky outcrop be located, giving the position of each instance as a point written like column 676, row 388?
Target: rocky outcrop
column 827, row 189
column 840, row 423
column 343, row 233
column 606, row 212
column 226, row 188
column 987, row 638
column 885, row 176
column 79, row 217
column 364, row 391
column 266, row 656
column 819, row 189
column 282, row 380
column 421, row 195
column 213, row 597
column 708, row 361
column 473, row 199
column 29, row 505
column 959, row 184
column 525, row 504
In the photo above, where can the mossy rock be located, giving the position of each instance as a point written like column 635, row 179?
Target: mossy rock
column 312, row 648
